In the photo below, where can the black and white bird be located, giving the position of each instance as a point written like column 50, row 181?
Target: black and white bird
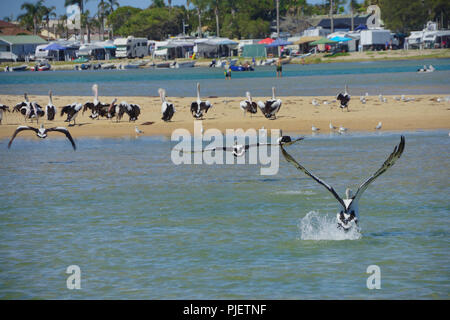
column 362, row 99
column 72, row 111
column 349, row 213
column 271, row 106
column 199, row 106
column 248, row 105
column 3, row 108
column 113, row 110
column 314, row 129
column 132, row 110
column 97, row 108
column 344, row 99
column 167, row 108
column 50, row 109
column 42, row 133
column 239, row 150
column 29, row 109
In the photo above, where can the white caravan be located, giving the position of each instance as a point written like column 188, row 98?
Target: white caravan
column 131, row 47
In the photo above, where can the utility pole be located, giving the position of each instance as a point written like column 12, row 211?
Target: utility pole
column 278, row 24
column 331, row 17
column 184, row 28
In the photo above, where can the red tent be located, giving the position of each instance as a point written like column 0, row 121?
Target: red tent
column 266, row 41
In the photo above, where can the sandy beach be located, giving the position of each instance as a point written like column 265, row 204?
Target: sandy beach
column 297, row 115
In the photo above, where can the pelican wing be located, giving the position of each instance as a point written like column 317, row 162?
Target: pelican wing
column 396, row 154
column 289, row 158
column 66, row 132
column 19, row 129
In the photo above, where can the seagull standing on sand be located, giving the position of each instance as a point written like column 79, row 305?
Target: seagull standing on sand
column 349, row 213
column 362, row 99
column 137, row 130
column 42, row 133
column 378, row 127
column 314, row 129
column 315, row 103
column 342, row 129
column 332, row 128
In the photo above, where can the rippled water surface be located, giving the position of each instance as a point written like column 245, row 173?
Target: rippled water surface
column 386, row 77
column 140, row 227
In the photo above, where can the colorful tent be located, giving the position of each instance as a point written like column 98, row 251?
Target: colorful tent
column 266, row 41
column 341, row 39
column 322, row 41
column 279, row 43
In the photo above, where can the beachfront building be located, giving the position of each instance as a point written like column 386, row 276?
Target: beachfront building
column 18, row 48
column 430, row 37
column 174, row 48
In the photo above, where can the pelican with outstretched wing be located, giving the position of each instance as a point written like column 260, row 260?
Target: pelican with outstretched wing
column 42, row 133
column 349, row 214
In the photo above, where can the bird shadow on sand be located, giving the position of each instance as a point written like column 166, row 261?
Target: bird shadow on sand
column 147, row 123
column 78, row 124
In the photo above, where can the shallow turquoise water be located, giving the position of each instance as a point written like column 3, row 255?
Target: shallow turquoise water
column 386, row 77
column 140, row 227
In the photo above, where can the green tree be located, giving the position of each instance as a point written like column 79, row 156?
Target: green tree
column 32, row 16
column 121, row 16
column 47, row 13
column 403, row 15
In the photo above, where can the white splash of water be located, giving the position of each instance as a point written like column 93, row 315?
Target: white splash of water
column 315, row 226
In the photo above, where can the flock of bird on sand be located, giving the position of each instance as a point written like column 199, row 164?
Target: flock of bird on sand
column 116, row 111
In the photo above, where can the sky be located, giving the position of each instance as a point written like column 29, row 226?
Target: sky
column 8, row 7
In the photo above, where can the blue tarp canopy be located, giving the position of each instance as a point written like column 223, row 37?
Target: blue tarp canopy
column 361, row 27
column 278, row 43
column 341, row 39
column 54, row 46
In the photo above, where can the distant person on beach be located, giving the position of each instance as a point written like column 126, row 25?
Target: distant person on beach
column 228, row 72
column 279, row 68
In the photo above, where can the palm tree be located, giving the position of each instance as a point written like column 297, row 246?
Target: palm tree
column 48, row 12
column 331, row 16
column 80, row 4
column 111, row 5
column 32, row 16
column 200, row 4
column 215, row 3
column 353, row 5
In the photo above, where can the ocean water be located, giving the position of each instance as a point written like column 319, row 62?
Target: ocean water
column 386, row 77
column 140, row 227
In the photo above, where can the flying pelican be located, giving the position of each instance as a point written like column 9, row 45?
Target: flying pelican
column 2, row 109
column 239, row 150
column 271, row 106
column 42, row 133
column 50, row 108
column 248, row 105
column 344, row 98
column 378, row 127
column 198, row 106
column 349, row 214
column 167, row 108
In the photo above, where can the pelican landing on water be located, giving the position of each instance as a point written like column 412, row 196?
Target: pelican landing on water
column 349, row 214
